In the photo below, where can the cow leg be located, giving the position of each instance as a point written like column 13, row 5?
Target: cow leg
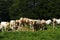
column 2, row 29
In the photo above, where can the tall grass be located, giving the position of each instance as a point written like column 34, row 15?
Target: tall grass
column 49, row 34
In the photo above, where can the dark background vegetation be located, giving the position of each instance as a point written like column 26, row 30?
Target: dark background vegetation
column 36, row 9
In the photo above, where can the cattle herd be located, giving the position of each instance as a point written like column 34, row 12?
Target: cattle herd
column 33, row 24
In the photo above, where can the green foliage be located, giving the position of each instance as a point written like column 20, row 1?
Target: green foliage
column 38, row 9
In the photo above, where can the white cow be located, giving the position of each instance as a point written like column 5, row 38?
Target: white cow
column 42, row 24
column 4, row 25
column 55, row 22
column 31, row 23
column 48, row 22
column 58, row 21
column 12, row 24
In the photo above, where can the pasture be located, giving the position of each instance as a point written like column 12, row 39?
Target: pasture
column 49, row 34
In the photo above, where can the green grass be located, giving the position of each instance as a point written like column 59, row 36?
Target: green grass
column 49, row 34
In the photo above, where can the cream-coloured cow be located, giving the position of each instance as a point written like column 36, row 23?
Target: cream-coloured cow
column 4, row 25
column 13, row 24
column 48, row 22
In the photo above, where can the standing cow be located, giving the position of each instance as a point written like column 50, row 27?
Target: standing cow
column 4, row 25
column 13, row 25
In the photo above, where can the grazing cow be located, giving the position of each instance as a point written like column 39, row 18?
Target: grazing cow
column 4, row 25
column 22, row 22
column 31, row 23
column 48, row 22
column 27, row 21
column 42, row 24
column 17, row 22
column 36, row 25
column 55, row 22
column 58, row 21
column 13, row 25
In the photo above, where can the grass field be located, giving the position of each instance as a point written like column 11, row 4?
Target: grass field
column 49, row 34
